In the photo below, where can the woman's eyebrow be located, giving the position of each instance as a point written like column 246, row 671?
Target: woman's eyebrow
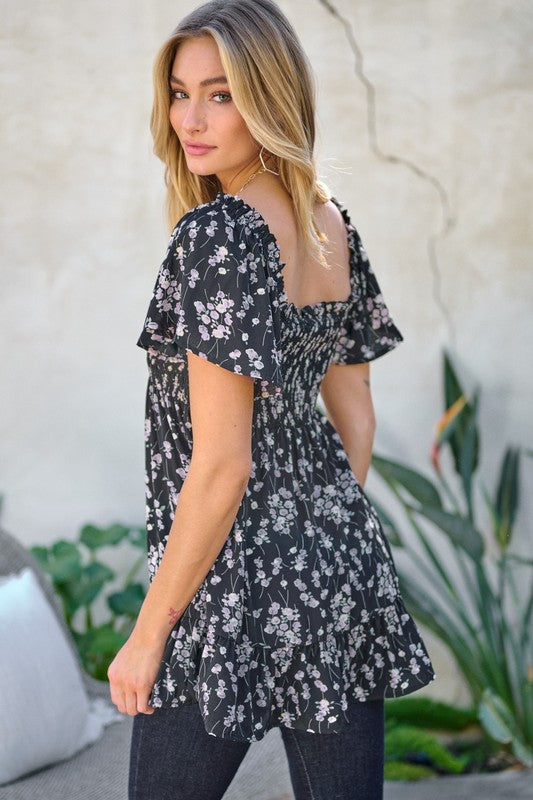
column 207, row 82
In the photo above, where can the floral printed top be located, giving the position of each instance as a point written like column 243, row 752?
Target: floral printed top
column 301, row 609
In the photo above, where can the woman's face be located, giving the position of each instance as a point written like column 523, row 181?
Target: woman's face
column 206, row 116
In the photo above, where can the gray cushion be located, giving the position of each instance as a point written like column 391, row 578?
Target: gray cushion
column 46, row 712
column 13, row 557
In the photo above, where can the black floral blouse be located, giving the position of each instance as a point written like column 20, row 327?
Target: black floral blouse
column 301, row 609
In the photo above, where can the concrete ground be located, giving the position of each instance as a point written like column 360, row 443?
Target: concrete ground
column 499, row 786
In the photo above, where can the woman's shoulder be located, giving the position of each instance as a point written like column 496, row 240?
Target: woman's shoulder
column 226, row 235
column 227, row 215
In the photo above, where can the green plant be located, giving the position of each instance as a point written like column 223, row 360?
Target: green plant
column 470, row 598
column 426, row 737
column 79, row 576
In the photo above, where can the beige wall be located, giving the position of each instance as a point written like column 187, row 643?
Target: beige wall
column 448, row 88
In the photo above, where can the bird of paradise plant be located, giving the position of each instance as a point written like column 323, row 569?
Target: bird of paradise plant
column 478, row 599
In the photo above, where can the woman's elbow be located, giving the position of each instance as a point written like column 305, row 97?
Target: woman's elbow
column 233, row 470
column 369, row 420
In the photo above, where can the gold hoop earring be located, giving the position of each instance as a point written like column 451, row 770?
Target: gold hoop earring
column 266, row 169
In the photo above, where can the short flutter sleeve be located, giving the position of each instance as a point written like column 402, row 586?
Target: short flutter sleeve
column 215, row 297
column 368, row 330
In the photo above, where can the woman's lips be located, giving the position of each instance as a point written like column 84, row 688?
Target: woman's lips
column 197, row 149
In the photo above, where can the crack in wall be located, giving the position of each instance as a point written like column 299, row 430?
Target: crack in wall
column 449, row 219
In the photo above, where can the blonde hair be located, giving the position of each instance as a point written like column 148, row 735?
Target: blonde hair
column 272, row 86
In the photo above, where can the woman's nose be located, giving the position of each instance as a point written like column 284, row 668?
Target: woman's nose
column 194, row 118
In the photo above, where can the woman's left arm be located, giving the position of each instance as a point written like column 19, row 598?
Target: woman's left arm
column 221, row 407
column 345, row 390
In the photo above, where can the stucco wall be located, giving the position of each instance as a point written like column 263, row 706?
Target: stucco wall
column 424, row 133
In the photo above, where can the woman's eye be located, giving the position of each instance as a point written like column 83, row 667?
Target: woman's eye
column 225, row 97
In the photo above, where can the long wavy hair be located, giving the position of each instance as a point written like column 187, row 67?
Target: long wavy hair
column 273, row 88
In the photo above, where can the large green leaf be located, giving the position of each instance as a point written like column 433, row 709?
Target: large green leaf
column 86, row 587
column 62, row 561
column 460, row 531
column 468, row 460
column 500, row 723
column 129, row 601
column 452, row 391
column 93, row 537
column 416, row 484
column 103, row 638
column 452, row 386
column 506, row 501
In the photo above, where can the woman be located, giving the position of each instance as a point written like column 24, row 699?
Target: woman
column 273, row 597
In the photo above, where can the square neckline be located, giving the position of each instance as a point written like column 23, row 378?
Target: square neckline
column 326, row 305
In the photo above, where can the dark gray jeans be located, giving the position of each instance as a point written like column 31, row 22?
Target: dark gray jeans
column 172, row 757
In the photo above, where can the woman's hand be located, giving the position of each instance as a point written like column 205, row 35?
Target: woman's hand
column 132, row 674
